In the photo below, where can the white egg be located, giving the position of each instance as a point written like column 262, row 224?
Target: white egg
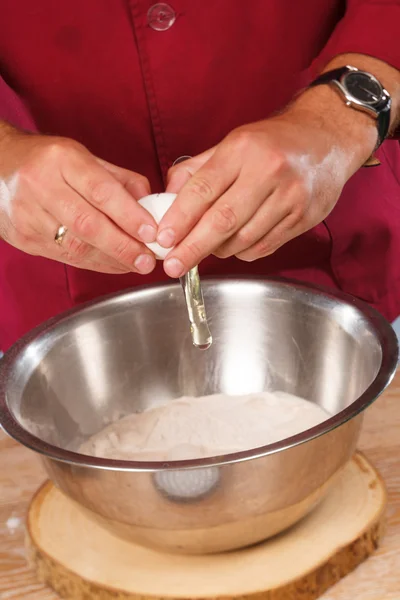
column 157, row 205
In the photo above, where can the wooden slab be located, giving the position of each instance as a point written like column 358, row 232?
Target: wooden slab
column 80, row 560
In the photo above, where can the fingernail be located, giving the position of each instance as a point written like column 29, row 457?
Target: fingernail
column 173, row 267
column 166, row 238
column 147, row 234
column 144, row 263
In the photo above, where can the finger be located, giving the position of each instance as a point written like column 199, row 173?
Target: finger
column 282, row 233
column 72, row 250
column 296, row 196
column 93, row 227
column 99, row 262
column 228, row 215
column 98, row 266
column 33, row 231
column 36, row 237
column 78, row 253
column 197, row 195
column 180, row 174
column 100, row 188
column 269, row 214
column 137, row 185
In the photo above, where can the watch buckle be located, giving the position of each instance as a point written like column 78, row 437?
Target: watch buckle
column 372, row 162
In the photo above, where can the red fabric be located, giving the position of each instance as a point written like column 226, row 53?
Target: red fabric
column 95, row 71
column 12, row 109
column 368, row 27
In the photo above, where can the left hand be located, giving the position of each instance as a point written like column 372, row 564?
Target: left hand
column 263, row 185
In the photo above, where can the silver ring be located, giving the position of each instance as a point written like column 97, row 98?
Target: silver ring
column 60, row 234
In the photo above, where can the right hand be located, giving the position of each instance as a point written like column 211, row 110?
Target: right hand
column 48, row 181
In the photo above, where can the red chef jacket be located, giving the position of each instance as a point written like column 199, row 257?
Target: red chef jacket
column 142, row 83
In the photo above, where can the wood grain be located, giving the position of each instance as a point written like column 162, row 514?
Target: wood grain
column 334, row 539
column 377, row 579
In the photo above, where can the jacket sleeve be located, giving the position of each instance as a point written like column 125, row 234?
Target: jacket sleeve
column 13, row 110
column 370, row 27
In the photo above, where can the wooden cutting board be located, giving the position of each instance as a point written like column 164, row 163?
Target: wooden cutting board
column 80, row 560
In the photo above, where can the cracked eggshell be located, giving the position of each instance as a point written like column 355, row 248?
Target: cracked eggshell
column 157, row 205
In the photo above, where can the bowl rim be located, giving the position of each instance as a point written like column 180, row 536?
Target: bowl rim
column 385, row 335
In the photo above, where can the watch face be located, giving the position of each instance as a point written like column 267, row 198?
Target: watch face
column 363, row 87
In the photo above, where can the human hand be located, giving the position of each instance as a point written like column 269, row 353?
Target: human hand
column 50, row 181
column 265, row 183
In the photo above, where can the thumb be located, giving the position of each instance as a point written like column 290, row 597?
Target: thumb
column 180, row 174
column 134, row 183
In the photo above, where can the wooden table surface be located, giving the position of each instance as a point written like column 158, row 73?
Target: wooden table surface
column 377, row 579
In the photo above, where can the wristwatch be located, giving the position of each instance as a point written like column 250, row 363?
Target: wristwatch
column 364, row 92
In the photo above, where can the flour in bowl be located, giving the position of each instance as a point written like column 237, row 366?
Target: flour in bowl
column 189, row 427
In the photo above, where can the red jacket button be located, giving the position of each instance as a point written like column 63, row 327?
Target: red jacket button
column 161, row 16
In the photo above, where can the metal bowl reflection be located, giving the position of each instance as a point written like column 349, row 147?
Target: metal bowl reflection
column 70, row 377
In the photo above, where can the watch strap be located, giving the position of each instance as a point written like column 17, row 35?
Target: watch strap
column 329, row 76
column 383, row 122
column 383, row 112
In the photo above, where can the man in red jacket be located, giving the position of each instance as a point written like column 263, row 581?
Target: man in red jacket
column 115, row 91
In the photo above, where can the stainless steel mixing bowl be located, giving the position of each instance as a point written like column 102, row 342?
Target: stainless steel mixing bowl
column 69, row 378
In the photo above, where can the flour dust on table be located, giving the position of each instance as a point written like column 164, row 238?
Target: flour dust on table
column 188, row 428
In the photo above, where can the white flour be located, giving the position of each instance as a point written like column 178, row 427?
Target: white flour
column 207, row 426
